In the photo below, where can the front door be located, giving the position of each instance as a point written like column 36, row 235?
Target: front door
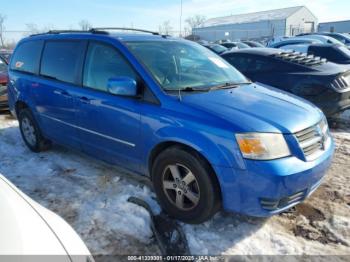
column 109, row 124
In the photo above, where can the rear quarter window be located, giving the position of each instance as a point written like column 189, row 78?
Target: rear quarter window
column 26, row 57
column 62, row 60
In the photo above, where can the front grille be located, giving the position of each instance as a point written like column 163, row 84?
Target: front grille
column 312, row 140
column 275, row 204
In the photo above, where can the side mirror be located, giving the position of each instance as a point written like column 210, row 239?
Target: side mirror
column 122, row 86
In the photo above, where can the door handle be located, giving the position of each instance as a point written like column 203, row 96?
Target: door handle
column 85, row 100
column 62, row 92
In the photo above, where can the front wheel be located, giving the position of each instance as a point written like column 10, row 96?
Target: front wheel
column 185, row 185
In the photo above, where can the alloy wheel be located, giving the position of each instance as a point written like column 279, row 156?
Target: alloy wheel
column 28, row 131
column 181, row 186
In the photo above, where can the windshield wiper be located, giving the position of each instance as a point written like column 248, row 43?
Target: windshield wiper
column 229, row 85
column 188, row 89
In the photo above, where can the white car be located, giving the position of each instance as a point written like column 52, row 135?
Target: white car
column 28, row 229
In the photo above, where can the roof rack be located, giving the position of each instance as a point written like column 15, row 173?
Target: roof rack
column 67, row 32
column 101, row 29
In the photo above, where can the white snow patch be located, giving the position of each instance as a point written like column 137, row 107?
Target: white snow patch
column 92, row 197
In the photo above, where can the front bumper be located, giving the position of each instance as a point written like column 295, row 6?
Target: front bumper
column 265, row 188
column 332, row 102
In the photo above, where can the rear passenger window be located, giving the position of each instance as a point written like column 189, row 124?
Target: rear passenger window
column 102, row 63
column 62, row 59
column 27, row 57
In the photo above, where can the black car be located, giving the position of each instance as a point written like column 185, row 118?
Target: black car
column 325, row 84
column 219, row 49
column 235, row 45
column 333, row 53
column 253, row 44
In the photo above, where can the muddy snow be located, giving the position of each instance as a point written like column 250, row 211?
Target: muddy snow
column 92, row 197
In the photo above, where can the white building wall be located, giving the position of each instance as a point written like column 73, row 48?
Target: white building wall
column 302, row 21
column 244, row 31
column 339, row 27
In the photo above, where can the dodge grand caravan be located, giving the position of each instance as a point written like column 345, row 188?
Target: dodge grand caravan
column 172, row 110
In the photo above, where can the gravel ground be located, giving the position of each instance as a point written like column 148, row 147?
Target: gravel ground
column 91, row 196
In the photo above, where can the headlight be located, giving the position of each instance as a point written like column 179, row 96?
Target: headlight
column 262, row 146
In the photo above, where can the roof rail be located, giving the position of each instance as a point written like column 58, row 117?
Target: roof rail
column 101, row 29
column 70, row 32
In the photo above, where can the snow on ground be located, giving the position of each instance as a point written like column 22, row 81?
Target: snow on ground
column 92, row 197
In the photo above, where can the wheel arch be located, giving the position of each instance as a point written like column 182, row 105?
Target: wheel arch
column 161, row 147
column 19, row 106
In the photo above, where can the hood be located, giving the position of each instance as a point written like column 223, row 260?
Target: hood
column 256, row 108
column 23, row 231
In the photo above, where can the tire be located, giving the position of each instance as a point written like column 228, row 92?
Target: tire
column 195, row 196
column 31, row 133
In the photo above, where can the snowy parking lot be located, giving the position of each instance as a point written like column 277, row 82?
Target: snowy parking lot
column 92, row 197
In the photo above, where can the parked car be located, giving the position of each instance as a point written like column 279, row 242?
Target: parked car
column 333, row 53
column 173, row 111
column 293, row 42
column 253, row 44
column 323, row 38
column 219, row 42
column 325, row 84
column 276, row 39
column 235, row 45
column 3, row 83
column 5, row 54
column 202, row 42
column 344, row 38
column 28, row 228
column 218, row 49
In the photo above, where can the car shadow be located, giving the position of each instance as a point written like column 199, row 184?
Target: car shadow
column 71, row 184
column 5, row 112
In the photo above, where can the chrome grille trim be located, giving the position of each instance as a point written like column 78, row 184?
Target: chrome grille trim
column 313, row 140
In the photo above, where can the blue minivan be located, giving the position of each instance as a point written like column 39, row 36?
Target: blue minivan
column 174, row 111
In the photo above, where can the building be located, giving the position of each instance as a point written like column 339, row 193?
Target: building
column 267, row 24
column 337, row 26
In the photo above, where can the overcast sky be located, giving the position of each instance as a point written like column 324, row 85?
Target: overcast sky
column 148, row 14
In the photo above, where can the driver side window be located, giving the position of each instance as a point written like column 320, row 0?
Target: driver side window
column 102, row 63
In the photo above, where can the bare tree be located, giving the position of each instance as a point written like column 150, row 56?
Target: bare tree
column 32, row 28
column 2, row 29
column 195, row 21
column 165, row 28
column 85, row 25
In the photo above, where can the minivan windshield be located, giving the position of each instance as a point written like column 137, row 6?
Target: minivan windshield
column 185, row 65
